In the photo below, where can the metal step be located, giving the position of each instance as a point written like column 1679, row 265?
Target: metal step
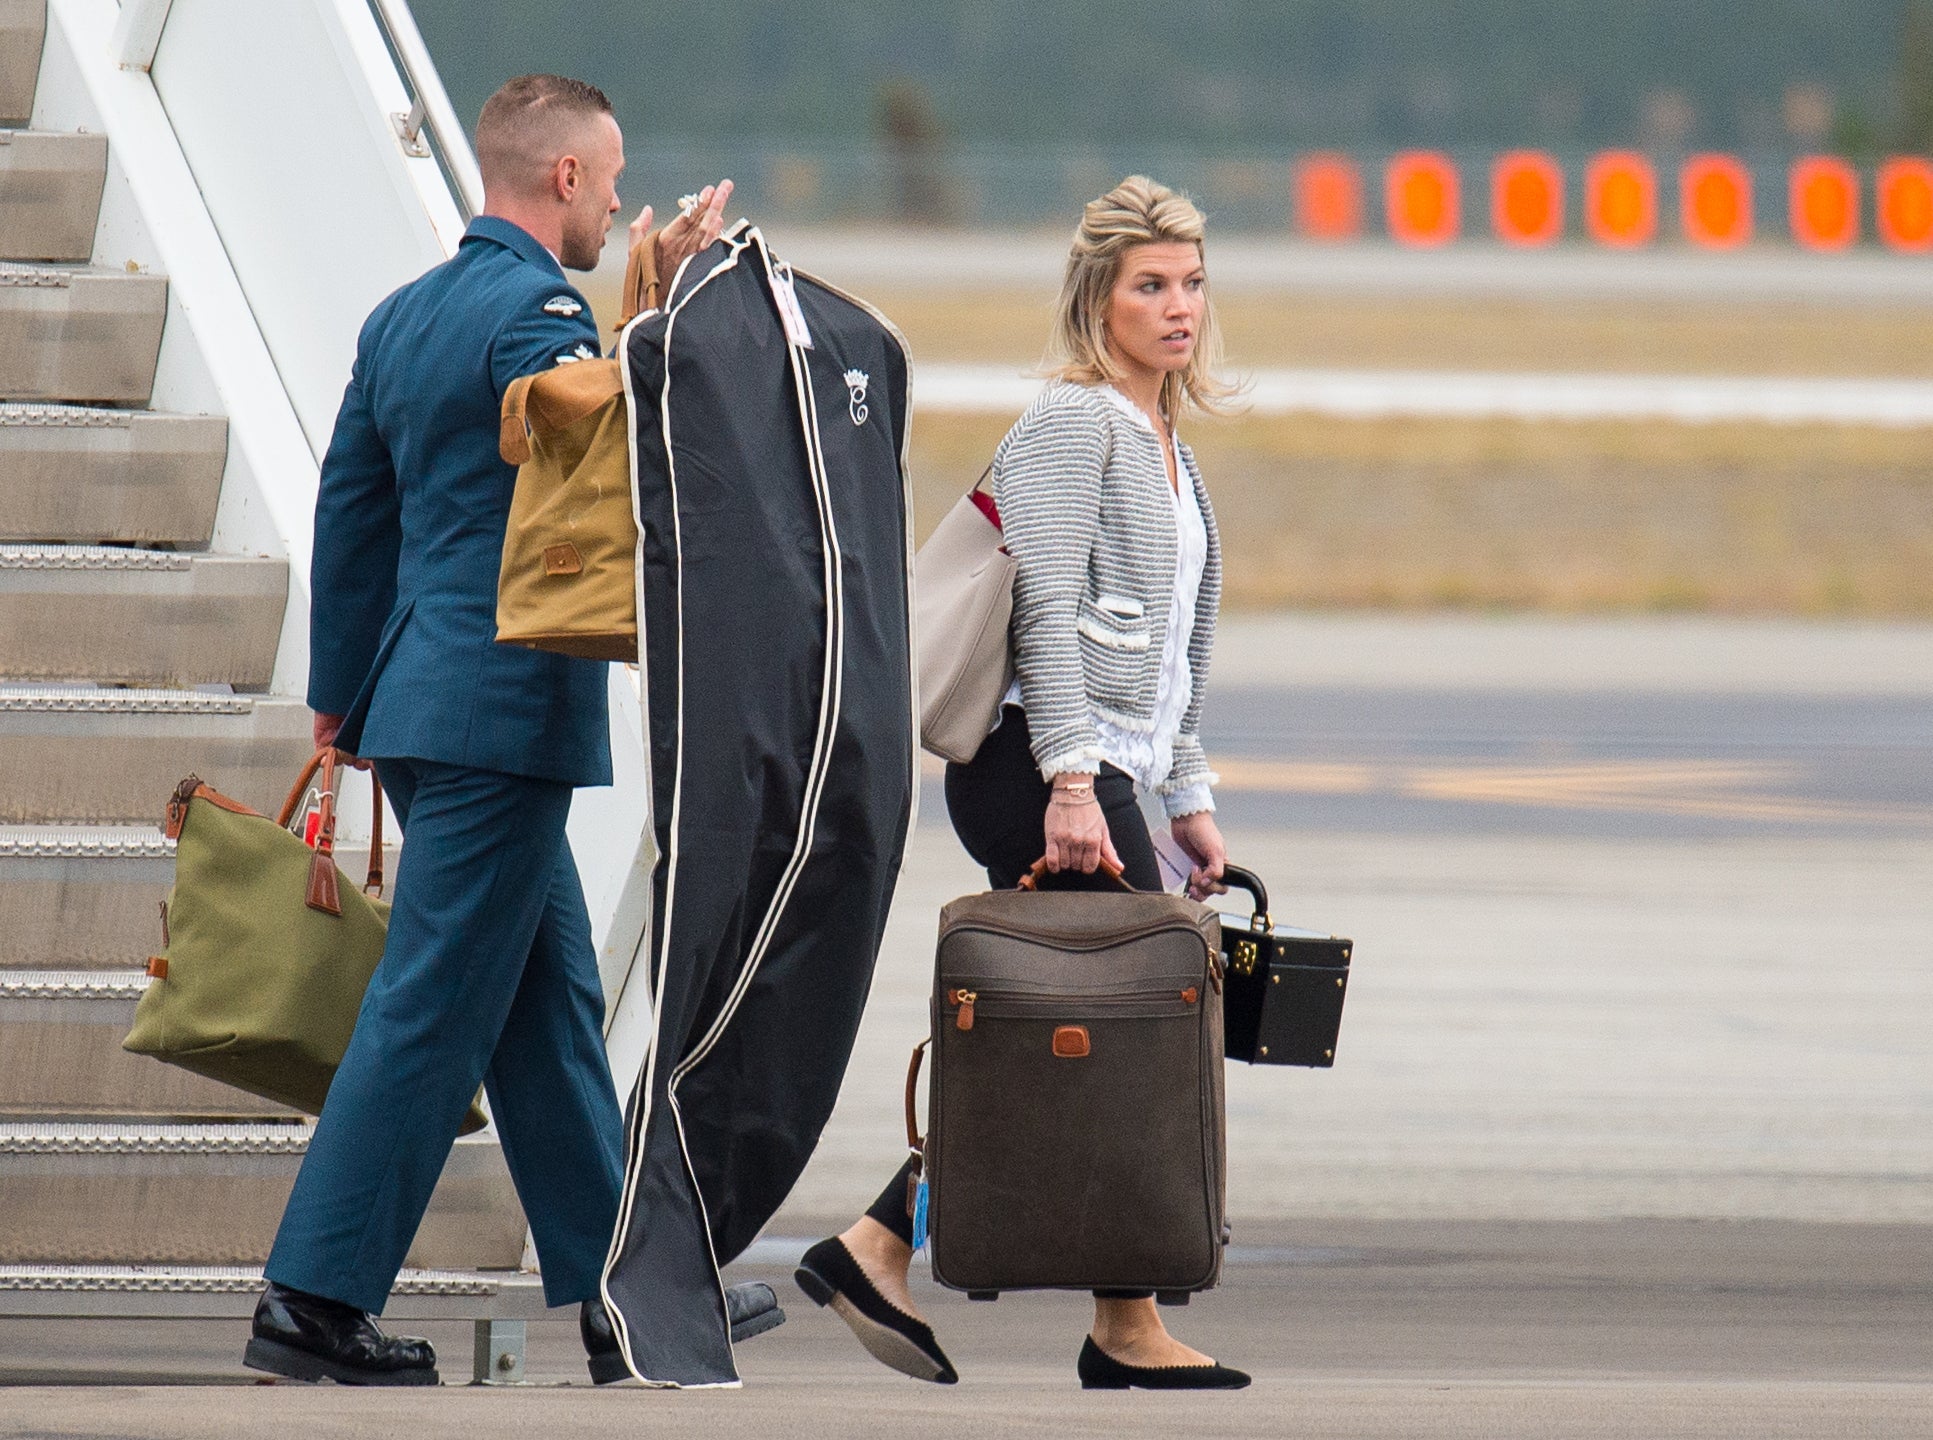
column 89, row 898
column 229, row 1292
column 94, row 755
column 84, row 899
column 79, row 334
column 139, row 617
column 23, row 30
column 61, row 1055
column 85, row 474
column 50, row 194
column 123, row 1193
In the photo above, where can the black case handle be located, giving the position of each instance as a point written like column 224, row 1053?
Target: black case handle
column 1248, row 880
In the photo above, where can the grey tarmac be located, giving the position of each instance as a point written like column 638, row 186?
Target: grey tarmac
column 1631, row 1129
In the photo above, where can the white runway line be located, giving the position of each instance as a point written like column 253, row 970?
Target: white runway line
column 1373, row 394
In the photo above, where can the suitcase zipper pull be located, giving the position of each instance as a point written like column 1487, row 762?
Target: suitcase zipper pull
column 964, row 999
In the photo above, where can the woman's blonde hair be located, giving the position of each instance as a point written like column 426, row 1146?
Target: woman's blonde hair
column 1138, row 211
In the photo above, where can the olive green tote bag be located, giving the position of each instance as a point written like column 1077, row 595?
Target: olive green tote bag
column 266, row 952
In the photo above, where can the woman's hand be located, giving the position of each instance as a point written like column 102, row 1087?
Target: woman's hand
column 1076, row 827
column 1202, row 839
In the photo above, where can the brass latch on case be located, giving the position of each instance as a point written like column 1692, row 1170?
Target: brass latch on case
column 1246, row 954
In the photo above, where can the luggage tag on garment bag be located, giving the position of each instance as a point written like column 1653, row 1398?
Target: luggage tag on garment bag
column 919, row 1217
column 787, row 299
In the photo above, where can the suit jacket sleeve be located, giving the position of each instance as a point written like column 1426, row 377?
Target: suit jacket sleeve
column 541, row 329
column 352, row 573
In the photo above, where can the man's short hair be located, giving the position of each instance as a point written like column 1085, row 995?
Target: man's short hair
column 528, row 123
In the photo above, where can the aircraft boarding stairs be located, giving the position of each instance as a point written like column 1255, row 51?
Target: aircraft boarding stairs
column 131, row 655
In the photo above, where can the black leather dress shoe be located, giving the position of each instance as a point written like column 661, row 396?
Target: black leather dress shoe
column 752, row 1309
column 601, row 1350
column 830, row 1276
column 310, row 1337
column 1101, row 1371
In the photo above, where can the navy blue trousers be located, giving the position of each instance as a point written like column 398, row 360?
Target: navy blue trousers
column 488, row 977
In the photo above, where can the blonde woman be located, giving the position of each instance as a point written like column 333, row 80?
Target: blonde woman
column 1115, row 597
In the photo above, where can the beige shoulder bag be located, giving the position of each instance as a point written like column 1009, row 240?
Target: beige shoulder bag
column 963, row 608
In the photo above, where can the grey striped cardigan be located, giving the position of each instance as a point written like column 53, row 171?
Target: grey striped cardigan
column 1087, row 514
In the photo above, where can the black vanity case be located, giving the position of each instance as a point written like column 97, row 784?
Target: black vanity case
column 1282, row 988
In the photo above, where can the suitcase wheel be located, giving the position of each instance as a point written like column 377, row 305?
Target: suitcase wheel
column 983, row 1294
column 1172, row 1297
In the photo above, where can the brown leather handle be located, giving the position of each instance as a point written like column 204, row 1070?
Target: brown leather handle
column 640, row 291
column 327, row 761
column 1031, row 880
column 513, row 429
column 914, row 1141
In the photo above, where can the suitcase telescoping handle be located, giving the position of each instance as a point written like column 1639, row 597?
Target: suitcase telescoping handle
column 1248, row 880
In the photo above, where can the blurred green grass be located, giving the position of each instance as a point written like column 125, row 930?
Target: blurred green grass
column 1559, row 516
column 1546, row 515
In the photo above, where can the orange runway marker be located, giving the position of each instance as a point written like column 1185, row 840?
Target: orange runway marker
column 1621, row 200
column 1823, row 194
column 1526, row 198
column 1422, row 199
column 1906, row 204
column 1328, row 197
column 1715, row 202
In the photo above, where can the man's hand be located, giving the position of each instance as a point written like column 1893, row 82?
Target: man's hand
column 327, row 727
column 1202, row 839
column 691, row 232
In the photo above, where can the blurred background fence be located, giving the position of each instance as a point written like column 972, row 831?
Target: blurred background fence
column 1425, row 197
column 1724, row 120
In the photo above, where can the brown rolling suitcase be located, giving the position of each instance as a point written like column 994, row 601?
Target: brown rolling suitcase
column 1076, row 1107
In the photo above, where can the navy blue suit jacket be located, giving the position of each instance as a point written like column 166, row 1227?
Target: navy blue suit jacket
column 410, row 520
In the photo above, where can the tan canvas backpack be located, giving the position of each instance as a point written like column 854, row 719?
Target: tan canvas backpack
column 567, row 582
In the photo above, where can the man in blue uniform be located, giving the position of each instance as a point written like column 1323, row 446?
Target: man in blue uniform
column 488, row 976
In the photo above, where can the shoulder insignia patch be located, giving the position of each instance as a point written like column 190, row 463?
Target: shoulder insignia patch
column 562, row 305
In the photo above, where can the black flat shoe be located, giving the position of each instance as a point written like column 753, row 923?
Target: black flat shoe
column 310, row 1337
column 752, row 1309
column 1101, row 1371
column 830, row 1276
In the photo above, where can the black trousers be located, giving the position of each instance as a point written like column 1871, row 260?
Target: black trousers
column 998, row 805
